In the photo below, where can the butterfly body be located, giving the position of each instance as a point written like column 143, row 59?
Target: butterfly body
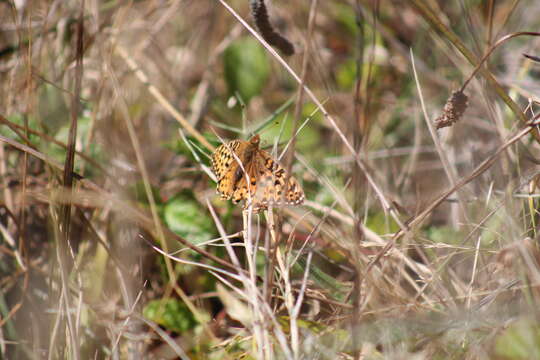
column 246, row 172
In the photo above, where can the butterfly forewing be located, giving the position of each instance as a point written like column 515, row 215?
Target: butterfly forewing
column 223, row 164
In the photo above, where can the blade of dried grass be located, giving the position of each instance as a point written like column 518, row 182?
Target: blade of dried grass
column 459, row 248
column 37, row 154
column 140, row 216
column 224, row 237
column 11, row 242
column 130, row 312
column 157, row 226
column 153, row 208
column 473, row 272
column 260, row 330
column 194, row 263
column 55, row 330
column 491, row 49
column 249, row 281
column 285, row 284
column 300, row 94
column 7, row 191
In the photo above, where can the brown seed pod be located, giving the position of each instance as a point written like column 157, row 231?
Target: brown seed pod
column 453, row 110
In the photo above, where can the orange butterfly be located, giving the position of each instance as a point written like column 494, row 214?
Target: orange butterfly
column 266, row 176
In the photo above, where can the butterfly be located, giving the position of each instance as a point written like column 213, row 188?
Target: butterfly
column 265, row 182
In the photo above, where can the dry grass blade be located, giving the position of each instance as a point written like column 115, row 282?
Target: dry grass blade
column 16, row 128
column 532, row 57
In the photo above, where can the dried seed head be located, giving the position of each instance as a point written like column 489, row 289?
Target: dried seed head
column 453, row 110
column 260, row 14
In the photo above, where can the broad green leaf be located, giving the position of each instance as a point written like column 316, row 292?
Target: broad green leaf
column 185, row 217
column 246, row 68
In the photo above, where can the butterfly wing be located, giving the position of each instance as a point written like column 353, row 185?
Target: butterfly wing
column 243, row 190
column 273, row 185
column 225, row 166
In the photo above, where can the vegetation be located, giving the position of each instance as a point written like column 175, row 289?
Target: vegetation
column 411, row 126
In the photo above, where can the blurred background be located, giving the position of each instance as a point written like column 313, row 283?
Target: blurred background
column 409, row 245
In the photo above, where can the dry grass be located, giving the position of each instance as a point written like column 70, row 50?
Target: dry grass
column 414, row 242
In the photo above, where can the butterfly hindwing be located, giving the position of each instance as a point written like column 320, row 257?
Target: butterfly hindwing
column 271, row 186
column 243, row 190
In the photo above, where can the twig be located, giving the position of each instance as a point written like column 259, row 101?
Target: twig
column 64, row 241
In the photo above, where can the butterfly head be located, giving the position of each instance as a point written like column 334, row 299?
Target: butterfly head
column 255, row 140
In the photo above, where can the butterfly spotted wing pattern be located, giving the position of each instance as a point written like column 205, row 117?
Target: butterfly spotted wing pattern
column 224, row 166
column 265, row 182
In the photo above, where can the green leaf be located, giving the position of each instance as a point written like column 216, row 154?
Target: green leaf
column 246, row 68
column 184, row 216
column 346, row 17
column 171, row 314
